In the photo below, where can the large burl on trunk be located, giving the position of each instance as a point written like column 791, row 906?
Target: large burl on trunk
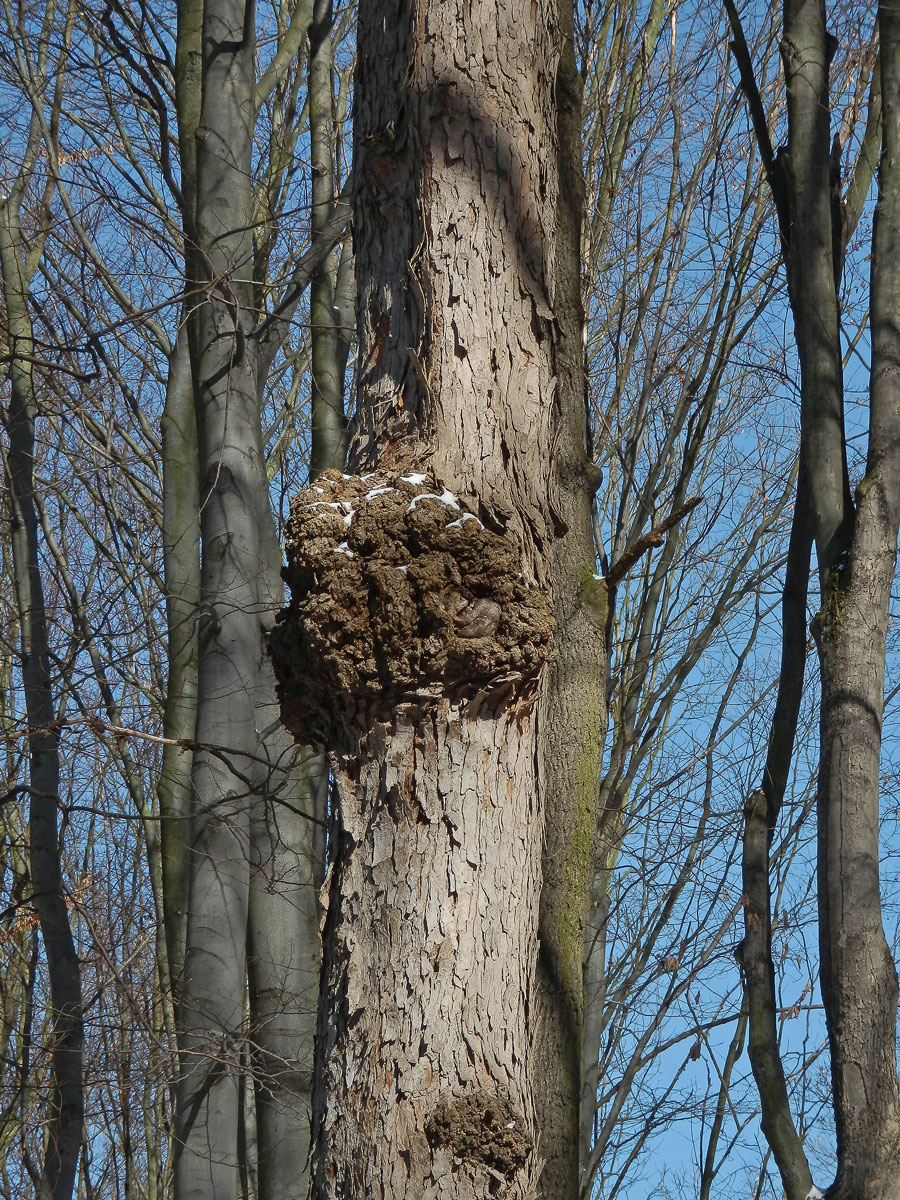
column 414, row 646
column 424, row 596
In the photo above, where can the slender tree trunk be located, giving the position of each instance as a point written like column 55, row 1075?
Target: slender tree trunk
column 858, row 976
column 231, row 627
column 288, row 828
column 252, row 909
column 595, row 936
column 575, row 709
column 181, row 531
column 283, row 935
column 329, row 433
column 761, row 818
column 814, row 272
column 421, row 641
column 855, row 541
column 20, row 256
column 856, row 549
column 181, row 561
column 65, row 1110
column 289, row 815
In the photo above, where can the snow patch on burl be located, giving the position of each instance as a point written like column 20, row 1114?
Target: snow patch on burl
column 444, row 498
column 400, row 597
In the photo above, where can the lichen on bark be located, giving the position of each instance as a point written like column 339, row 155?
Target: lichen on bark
column 400, row 597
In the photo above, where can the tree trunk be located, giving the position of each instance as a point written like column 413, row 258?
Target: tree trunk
column 856, row 550
column 858, row 976
column 329, row 428
column 232, row 621
column 760, row 821
column 284, row 956
column 252, row 909
column 419, row 624
column 181, row 532
column 181, row 561
column 431, row 944
column 855, row 541
column 64, row 1119
column 574, row 716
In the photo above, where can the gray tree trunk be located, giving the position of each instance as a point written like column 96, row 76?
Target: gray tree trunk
column 181, row 561
column 856, row 548
column 181, row 534
column 252, row 908
column 65, row 1109
column 288, row 826
column 420, row 621
column 231, row 624
column 856, row 541
column 761, row 817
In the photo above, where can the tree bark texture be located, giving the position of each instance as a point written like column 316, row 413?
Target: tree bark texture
column 420, row 624
column 431, row 941
column 858, row 977
column 454, row 229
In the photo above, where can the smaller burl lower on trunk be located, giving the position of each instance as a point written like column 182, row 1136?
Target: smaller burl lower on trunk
column 413, row 646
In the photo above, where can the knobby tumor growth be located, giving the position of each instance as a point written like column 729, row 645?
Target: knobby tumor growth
column 400, row 596
column 482, row 1127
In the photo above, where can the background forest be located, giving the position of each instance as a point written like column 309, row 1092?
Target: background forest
column 116, row 714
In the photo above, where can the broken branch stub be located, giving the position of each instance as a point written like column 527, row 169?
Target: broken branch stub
column 399, row 596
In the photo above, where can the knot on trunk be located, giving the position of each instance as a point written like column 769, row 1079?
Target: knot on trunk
column 481, row 1127
column 399, row 596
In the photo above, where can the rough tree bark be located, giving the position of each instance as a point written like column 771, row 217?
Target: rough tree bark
column 421, row 622
column 855, row 538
